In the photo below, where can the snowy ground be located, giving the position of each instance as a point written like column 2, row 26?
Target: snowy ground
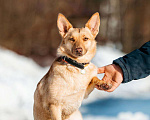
column 19, row 76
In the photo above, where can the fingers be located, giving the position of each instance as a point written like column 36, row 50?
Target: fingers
column 112, row 89
column 114, row 86
column 105, row 83
column 110, row 82
column 112, row 76
column 101, row 70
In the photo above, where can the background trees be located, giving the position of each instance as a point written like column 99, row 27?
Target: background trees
column 29, row 27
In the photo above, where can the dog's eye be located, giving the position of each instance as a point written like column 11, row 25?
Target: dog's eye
column 85, row 39
column 72, row 39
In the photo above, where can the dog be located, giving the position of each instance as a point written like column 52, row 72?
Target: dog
column 72, row 77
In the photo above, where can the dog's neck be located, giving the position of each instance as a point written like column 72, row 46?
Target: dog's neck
column 72, row 62
column 83, row 59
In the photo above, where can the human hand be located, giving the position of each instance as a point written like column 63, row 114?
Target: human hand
column 113, row 75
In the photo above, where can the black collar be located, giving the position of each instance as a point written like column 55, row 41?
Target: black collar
column 72, row 62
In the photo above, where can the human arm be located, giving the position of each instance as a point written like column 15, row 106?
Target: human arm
column 135, row 65
column 132, row 66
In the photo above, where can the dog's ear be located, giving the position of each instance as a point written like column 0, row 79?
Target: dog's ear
column 63, row 24
column 93, row 24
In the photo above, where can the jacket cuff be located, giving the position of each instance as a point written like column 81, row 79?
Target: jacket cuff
column 126, row 73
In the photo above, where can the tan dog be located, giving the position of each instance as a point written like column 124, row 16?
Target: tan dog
column 71, row 77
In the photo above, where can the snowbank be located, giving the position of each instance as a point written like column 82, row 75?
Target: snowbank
column 121, row 116
column 18, row 78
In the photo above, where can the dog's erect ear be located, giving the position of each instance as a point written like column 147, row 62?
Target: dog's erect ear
column 93, row 24
column 63, row 24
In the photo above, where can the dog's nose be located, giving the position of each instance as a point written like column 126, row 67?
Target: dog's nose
column 79, row 50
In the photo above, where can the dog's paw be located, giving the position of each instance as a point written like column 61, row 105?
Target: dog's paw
column 103, row 86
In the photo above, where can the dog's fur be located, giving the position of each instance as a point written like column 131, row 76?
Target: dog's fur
column 60, row 92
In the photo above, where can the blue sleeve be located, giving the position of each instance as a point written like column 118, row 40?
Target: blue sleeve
column 136, row 64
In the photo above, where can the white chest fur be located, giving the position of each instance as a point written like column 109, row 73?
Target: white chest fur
column 67, row 85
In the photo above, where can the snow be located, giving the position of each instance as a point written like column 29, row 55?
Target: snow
column 19, row 76
column 121, row 116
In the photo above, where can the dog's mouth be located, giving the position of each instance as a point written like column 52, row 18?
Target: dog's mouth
column 77, row 54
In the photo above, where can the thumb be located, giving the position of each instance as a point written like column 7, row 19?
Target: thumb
column 101, row 70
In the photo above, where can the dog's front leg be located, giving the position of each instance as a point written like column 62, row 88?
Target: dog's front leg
column 95, row 81
column 55, row 112
column 90, row 88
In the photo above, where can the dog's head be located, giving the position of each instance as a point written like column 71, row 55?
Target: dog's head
column 78, row 43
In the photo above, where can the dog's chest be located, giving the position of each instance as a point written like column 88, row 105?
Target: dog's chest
column 67, row 85
column 80, row 78
column 72, row 102
column 75, row 83
column 68, row 80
